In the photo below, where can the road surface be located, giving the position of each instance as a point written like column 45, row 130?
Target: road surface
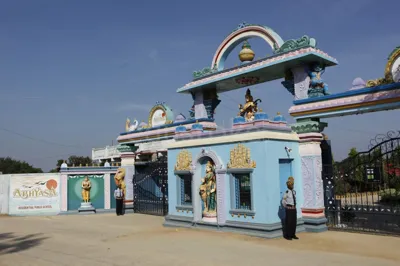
column 133, row 239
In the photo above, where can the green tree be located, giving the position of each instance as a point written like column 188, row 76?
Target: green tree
column 57, row 169
column 352, row 153
column 73, row 161
column 12, row 166
column 79, row 160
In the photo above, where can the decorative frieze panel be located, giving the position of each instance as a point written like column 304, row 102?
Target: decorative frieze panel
column 240, row 158
column 183, row 161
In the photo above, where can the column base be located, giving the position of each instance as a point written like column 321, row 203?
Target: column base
column 314, row 220
column 86, row 207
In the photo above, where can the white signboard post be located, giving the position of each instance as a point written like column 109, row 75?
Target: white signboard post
column 34, row 194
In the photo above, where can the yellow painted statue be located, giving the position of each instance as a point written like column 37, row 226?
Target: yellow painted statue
column 249, row 108
column 119, row 179
column 86, row 186
column 208, row 191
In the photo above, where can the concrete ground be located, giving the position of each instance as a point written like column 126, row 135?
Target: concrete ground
column 104, row 239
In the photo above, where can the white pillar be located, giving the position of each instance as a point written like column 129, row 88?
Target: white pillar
column 311, row 169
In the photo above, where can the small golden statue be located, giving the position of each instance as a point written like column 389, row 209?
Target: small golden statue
column 250, row 107
column 86, row 186
column 208, row 191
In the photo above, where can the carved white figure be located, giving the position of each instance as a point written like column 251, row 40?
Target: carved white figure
column 131, row 127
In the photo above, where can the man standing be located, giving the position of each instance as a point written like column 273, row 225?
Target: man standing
column 289, row 202
column 119, row 197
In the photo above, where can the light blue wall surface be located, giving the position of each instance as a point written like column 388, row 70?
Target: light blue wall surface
column 265, row 178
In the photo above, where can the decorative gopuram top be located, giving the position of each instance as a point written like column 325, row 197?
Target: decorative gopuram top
column 286, row 55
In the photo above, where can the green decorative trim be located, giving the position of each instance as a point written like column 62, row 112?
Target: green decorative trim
column 309, row 127
column 204, row 72
column 244, row 25
column 291, row 45
column 126, row 148
column 393, row 52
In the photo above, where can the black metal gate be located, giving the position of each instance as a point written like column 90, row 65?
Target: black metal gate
column 150, row 188
column 362, row 193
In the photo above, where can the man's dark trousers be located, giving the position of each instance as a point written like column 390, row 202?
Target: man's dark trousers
column 119, row 208
column 290, row 221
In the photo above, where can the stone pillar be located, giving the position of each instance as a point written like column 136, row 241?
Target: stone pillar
column 64, row 192
column 301, row 82
column 107, row 192
column 199, row 108
column 297, row 82
column 128, row 163
column 313, row 209
column 127, row 159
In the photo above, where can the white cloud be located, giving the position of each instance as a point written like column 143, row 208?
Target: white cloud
column 133, row 107
column 181, row 44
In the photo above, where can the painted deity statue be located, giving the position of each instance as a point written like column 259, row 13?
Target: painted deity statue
column 86, row 186
column 208, row 191
column 317, row 85
column 119, row 179
column 249, row 108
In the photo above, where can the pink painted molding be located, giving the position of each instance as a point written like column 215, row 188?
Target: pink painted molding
column 89, row 173
column 262, row 63
column 307, row 137
column 364, row 98
column 261, row 123
column 315, row 213
column 162, row 131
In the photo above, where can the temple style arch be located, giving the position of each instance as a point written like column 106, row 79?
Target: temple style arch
column 212, row 155
column 244, row 32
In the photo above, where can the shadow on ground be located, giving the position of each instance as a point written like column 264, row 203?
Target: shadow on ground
column 9, row 243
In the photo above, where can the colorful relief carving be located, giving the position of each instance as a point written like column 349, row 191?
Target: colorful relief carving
column 247, row 80
column 208, row 191
column 392, row 70
column 291, row 45
column 317, row 86
column 205, row 72
column 183, row 161
column 249, row 108
column 240, row 158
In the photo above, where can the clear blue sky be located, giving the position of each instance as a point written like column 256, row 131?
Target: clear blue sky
column 72, row 71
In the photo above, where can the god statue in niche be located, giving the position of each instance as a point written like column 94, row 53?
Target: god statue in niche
column 86, row 186
column 208, row 191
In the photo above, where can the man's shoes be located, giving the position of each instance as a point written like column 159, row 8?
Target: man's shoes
column 287, row 238
column 295, row 237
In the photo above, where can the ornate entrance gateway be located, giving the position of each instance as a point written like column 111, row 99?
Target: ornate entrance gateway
column 362, row 193
column 150, row 188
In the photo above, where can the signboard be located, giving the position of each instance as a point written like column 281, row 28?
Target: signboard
column 373, row 174
column 34, row 194
column 154, row 145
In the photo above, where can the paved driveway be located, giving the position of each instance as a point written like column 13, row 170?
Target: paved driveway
column 104, row 239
